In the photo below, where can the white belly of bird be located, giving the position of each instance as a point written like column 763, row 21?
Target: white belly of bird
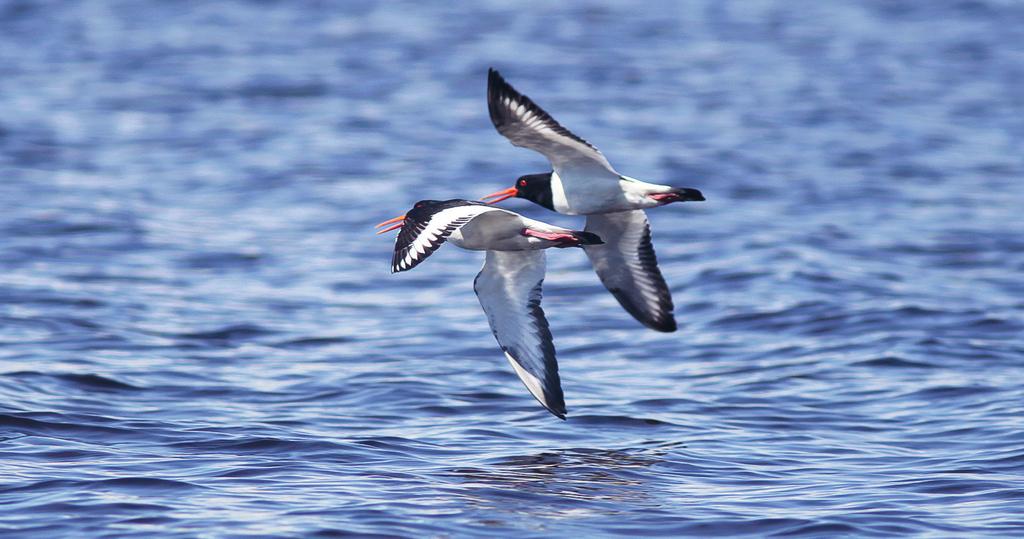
column 501, row 231
column 493, row 231
column 604, row 195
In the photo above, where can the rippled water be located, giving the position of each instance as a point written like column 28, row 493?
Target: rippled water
column 199, row 335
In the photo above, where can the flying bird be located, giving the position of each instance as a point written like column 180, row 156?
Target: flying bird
column 509, row 284
column 583, row 182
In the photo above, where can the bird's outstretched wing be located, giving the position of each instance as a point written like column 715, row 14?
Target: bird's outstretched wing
column 509, row 288
column 427, row 227
column 525, row 124
column 628, row 268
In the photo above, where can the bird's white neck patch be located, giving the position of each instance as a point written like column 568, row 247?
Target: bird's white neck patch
column 558, row 199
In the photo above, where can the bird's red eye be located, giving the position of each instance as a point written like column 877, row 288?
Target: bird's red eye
column 522, row 183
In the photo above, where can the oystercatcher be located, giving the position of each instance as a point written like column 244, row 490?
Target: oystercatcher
column 583, row 182
column 509, row 284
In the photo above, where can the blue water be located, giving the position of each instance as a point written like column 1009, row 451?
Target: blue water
column 199, row 335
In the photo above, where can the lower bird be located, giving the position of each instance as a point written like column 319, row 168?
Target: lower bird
column 508, row 285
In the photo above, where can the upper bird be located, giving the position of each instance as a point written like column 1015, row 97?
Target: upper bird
column 583, row 182
column 509, row 284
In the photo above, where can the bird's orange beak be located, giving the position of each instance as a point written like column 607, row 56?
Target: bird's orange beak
column 400, row 220
column 500, row 195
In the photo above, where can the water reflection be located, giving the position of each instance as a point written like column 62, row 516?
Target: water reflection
column 562, row 482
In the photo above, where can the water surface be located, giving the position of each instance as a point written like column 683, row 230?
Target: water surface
column 199, row 336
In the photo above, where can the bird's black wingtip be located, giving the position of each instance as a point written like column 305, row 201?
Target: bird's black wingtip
column 497, row 87
column 662, row 320
column 664, row 326
column 554, row 399
column 555, row 403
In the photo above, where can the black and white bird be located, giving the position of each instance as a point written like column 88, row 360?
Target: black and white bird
column 508, row 285
column 583, row 182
